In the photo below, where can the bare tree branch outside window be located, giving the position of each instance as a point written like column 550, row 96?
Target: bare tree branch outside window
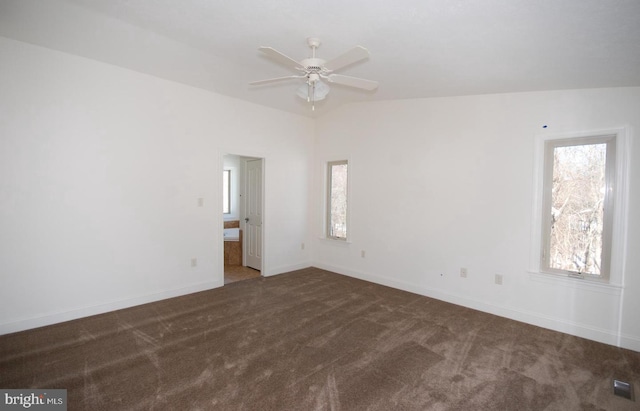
column 338, row 200
column 577, row 208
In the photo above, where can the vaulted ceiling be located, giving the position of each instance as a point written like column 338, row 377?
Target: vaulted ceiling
column 419, row 48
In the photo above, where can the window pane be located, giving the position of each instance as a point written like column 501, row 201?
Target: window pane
column 577, row 208
column 338, row 201
column 226, row 187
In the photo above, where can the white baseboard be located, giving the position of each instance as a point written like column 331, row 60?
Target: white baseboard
column 629, row 342
column 48, row 319
column 533, row 318
column 572, row 328
column 286, row 268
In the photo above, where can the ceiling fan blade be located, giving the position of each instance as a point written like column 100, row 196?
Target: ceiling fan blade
column 353, row 81
column 272, row 80
column 280, row 58
column 355, row 54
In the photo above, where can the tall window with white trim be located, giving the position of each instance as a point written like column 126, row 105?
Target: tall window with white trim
column 226, row 191
column 578, row 206
column 337, row 199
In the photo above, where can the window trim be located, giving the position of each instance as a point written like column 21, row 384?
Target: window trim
column 610, row 188
column 327, row 203
column 618, row 218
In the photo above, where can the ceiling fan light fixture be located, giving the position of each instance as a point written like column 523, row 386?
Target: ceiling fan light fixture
column 313, row 91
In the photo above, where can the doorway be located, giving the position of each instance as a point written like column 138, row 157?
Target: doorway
column 242, row 214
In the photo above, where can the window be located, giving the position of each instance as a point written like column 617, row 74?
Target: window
column 226, row 191
column 579, row 185
column 337, row 201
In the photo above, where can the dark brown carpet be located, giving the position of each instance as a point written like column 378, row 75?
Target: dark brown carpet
column 314, row 340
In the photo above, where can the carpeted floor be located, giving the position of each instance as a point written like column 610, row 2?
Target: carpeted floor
column 314, row 340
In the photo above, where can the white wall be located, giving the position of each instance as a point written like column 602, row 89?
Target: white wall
column 444, row 183
column 100, row 172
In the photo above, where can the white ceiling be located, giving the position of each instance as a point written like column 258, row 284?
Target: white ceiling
column 419, row 48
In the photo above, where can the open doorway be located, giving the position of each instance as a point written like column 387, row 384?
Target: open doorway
column 242, row 215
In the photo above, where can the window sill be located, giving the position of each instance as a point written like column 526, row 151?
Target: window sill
column 335, row 242
column 577, row 283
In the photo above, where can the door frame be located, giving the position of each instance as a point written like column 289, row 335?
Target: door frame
column 242, row 153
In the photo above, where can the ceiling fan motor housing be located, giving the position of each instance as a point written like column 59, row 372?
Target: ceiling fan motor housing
column 314, row 65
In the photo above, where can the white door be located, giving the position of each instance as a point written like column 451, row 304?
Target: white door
column 253, row 217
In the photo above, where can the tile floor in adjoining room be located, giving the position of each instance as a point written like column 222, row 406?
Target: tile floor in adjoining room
column 239, row 273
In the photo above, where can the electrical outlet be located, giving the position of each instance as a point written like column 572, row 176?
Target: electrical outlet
column 498, row 279
column 463, row 272
column 362, row 253
column 302, row 246
column 200, row 202
column 194, row 262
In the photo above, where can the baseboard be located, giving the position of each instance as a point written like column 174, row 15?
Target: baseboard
column 533, row 318
column 40, row 321
column 632, row 343
column 286, row 268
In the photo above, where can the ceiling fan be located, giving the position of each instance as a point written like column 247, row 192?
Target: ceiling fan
column 314, row 70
